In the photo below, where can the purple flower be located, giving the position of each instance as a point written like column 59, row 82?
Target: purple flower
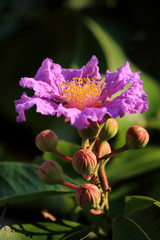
column 81, row 95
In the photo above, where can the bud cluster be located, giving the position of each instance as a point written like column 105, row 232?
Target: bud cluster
column 89, row 160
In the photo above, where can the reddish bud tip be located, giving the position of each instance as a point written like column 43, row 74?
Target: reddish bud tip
column 88, row 196
column 50, row 172
column 136, row 137
column 46, row 141
column 90, row 132
column 84, row 161
column 109, row 129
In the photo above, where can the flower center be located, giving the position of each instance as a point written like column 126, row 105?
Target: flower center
column 82, row 92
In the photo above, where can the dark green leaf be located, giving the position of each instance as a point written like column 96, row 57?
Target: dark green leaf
column 133, row 163
column 126, row 229
column 133, row 173
column 40, row 231
column 135, row 203
column 147, row 217
column 19, row 182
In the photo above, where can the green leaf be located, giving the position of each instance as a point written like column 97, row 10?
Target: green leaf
column 126, row 229
column 131, row 173
column 135, row 203
column 19, row 182
column 157, row 204
column 133, row 163
column 40, row 231
column 147, row 217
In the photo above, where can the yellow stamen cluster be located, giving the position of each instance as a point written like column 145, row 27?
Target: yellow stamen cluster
column 82, row 92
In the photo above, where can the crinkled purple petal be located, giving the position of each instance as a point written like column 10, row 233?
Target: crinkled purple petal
column 44, row 106
column 116, row 81
column 91, row 69
column 42, row 89
column 130, row 101
column 46, row 81
column 93, row 114
column 79, row 119
column 70, row 113
column 50, row 73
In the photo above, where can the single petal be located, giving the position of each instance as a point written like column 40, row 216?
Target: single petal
column 46, row 81
column 116, row 81
column 130, row 101
column 91, row 69
column 42, row 89
column 50, row 73
column 93, row 114
column 44, row 106
column 79, row 119
column 70, row 113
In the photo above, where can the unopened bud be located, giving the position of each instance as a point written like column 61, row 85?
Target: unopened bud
column 90, row 132
column 46, row 141
column 88, row 196
column 84, row 161
column 109, row 129
column 101, row 148
column 136, row 137
column 50, row 172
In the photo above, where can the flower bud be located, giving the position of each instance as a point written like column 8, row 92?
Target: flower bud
column 136, row 137
column 90, row 132
column 101, row 148
column 88, row 196
column 50, row 172
column 109, row 129
column 46, row 141
column 84, row 161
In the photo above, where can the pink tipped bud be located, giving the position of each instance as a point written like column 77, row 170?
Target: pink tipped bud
column 46, row 141
column 101, row 148
column 90, row 132
column 88, row 196
column 84, row 161
column 50, row 172
column 109, row 129
column 136, row 137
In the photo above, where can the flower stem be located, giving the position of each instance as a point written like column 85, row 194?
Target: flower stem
column 97, row 211
column 122, row 149
column 92, row 143
column 69, row 159
column 106, row 188
column 103, row 176
column 85, row 143
column 67, row 184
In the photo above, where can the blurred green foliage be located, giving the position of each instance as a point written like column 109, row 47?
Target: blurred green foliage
column 70, row 32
